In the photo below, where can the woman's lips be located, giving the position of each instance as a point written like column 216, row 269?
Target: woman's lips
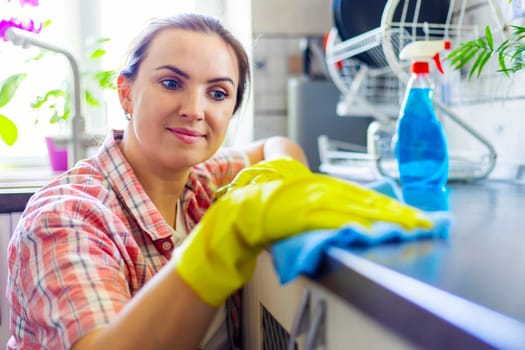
column 187, row 135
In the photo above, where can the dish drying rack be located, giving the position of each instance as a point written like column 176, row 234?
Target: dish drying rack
column 377, row 90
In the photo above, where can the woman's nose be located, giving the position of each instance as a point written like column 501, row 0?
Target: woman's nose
column 193, row 105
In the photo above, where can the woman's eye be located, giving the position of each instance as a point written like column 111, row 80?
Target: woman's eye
column 218, row 95
column 171, row 84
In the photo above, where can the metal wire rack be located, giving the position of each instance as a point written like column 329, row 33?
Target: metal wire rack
column 377, row 89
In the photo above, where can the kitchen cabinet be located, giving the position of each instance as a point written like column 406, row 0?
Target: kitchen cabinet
column 7, row 224
column 16, row 187
column 272, row 312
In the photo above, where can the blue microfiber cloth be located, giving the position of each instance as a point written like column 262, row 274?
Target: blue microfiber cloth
column 302, row 254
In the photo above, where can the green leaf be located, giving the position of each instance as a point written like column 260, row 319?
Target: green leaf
column 41, row 54
column 102, row 40
column 490, row 39
column 517, row 53
column 465, row 57
column 477, row 63
column 9, row 87
column 483, row 62
column 459, row 51
column 57, row 117
column 42, row 100
column 502, row 64
column 482, row 43
column 518, row 29
column 105, row 79
column 503, row 46
column 46, row 23
column 90, row 99
column 8, row 130
column 97, row 54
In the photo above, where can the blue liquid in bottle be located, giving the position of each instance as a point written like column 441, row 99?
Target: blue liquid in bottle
column 422, row 152
column 421, row 149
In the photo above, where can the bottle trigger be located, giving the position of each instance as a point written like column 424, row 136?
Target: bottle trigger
column 437, row 61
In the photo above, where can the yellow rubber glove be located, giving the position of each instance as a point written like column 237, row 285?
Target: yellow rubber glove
column 267, row 170
column 219, row 255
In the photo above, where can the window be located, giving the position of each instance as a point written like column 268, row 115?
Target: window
column 30, row 147
column 75, row 22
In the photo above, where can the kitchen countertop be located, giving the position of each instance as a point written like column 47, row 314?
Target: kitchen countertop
column 464, row 292
column 17, row 185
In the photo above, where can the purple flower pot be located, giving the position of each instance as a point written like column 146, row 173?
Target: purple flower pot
column 57, row 155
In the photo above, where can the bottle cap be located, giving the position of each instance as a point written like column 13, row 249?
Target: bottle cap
column 420, row 67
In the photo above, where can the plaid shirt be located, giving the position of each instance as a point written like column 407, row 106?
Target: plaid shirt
column 90, row 240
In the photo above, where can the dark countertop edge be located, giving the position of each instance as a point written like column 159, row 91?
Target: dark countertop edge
column 421, row 313
column 14, row 199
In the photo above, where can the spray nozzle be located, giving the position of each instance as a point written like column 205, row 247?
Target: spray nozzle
column 424, row 51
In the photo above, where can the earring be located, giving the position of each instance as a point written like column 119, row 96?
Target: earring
column 127, row 116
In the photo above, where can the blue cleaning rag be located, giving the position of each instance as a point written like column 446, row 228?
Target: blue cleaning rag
column 302, row 254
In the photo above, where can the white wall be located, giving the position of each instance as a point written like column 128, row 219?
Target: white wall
column 291, row 16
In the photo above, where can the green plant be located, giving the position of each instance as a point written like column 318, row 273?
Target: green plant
column 55, row 104
column 480, row 51
column 8, row 129
column 58, row 101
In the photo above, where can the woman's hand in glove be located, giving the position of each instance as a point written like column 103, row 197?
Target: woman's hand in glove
column 266, row 205
column 265, row 171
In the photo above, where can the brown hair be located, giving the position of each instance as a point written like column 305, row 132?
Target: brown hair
column 194, row 22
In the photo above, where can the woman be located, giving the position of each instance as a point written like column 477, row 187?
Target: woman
column 90, row 262
column 87, row 261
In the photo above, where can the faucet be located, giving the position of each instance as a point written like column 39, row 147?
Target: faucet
column 76, row 147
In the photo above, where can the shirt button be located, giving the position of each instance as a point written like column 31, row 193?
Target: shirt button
column 166, row 246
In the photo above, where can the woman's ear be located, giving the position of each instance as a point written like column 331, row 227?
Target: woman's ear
column 124, row 94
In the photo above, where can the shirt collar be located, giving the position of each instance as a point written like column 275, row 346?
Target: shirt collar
column 129, row 190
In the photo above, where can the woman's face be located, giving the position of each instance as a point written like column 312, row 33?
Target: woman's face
column 182, row 99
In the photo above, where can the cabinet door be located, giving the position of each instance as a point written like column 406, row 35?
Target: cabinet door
column 7, row 224
column 345, row 324
column 270, row 308
column 333, row 323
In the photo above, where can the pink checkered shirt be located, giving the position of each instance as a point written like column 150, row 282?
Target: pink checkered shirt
column 90, row 240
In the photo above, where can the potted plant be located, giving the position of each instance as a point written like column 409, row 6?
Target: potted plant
column 55, row 103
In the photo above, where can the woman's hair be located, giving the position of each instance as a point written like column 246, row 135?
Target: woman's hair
column 194, row 22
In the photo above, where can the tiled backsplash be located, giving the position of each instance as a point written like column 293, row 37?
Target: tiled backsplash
column 277, row 58
column 275, row 61
column 277, row 55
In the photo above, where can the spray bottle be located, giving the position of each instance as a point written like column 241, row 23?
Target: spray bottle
column 419, row 142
